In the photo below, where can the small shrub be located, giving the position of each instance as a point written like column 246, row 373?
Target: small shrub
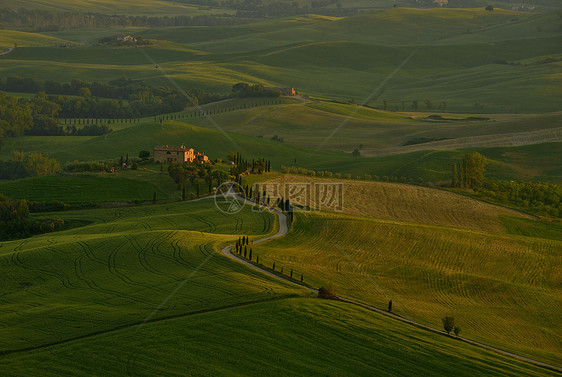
column 327, row 292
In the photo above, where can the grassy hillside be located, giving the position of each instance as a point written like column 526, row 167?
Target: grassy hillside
column 145, row 136
column 345, row 127
column 503, row 290
column 122, row 268
column 533, row 162
column 10, row 37
column 300, row 337
column 88, row 188
column 404, row 203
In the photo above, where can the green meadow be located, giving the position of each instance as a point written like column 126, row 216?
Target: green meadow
column 325, row 339
column 122, row 268
column 86, row 188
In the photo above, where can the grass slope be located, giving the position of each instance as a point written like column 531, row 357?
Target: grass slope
column 83, row 188
column 10, row 37
column 297, row 337
column 503, row 290
column 402, row 202
column 122, row 268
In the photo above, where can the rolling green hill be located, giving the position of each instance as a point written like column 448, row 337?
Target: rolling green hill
column 503, row 290
column 325, row 339
column 455, row 55
column 122, row 268
column 535, row 162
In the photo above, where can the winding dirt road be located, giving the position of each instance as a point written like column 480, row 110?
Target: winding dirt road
column 284, row 229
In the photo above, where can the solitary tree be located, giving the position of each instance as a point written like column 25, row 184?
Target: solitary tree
column 448, row 324
column 356, row 152
column 474, row 168
column 390, row 306
column 457, row 330
column 489, row 8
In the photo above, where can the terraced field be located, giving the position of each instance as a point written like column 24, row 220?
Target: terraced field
column 297, row 337
column 129, row 266
column 502, row 290
column 401, row 202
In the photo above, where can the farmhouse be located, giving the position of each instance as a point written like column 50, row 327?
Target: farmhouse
column 127, row 38
column 168, row 153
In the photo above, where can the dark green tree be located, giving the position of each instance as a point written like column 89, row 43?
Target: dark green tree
column 448, row 324
column 455, row 176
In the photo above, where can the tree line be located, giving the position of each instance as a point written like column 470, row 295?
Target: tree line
column 38, row 117
column 122, row 88
column 16, row 223
column 243, row 166
column 244, row 90
column 542, row 198
column 47, row 20
column 24, row 165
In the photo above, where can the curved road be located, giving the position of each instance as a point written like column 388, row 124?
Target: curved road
column 283, row 230
column 7, row 52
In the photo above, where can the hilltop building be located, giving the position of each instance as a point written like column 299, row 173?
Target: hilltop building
column 168, row 153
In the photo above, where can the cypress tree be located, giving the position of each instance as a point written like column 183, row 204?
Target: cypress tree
column 461, row 175
column 281, row 270
column 390, row 306
column 454, row 181
column 245, row 251
column 301, row 278
column 183, row 193
column 154, row 197
column 250, row 254
column 258, row 259
column 291, row 273
column 273, row 268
